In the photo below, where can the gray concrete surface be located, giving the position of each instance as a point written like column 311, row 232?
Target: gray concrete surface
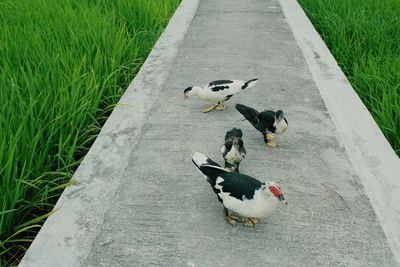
column 141, row 202
column 372, row 157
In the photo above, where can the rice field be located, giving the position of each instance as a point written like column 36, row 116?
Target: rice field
column 63, row 66
column 364, row 37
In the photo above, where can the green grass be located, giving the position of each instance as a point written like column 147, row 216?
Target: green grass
column 364, row 37
column 63, row 66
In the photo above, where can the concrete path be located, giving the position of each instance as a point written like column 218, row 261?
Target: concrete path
column 141, row 202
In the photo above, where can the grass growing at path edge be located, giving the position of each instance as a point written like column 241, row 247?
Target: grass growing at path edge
column 364, row 37
column 63, row 66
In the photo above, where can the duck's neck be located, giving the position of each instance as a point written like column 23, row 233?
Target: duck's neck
column 195, row 90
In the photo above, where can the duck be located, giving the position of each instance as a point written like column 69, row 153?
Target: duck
column 244, row 198
column 218, row 91
column 233, row 150
column 267, row 122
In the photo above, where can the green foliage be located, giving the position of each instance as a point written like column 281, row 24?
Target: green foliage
column 364, row 37
column 63, row 66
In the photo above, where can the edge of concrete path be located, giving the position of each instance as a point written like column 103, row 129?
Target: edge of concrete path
column 67, row 236
column 372, row 157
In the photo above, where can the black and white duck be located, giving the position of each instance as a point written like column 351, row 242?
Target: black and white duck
column 218, row 91
column 267, row 122
column 241, row 195
column 233, row 150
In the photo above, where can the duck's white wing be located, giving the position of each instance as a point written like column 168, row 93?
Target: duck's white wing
column 226, row 87
column 221, row 90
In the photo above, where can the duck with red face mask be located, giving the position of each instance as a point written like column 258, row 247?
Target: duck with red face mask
column 241, row 194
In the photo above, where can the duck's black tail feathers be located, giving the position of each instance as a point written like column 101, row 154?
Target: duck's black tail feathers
column 207, row 167
column 249, row 113
column 249, row 83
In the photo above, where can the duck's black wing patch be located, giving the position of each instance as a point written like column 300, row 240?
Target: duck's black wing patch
column 213, row 172
column 218, row 88
column 239, row 185
column 219, row 85
column 249, row 113
column 220, row 82
column 267, row 119
column 211, row 162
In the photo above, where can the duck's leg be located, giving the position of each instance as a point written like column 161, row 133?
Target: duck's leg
column 249, row 221
column 269, row 140
column 209, row 108
column 220, row 106
column 230, row 217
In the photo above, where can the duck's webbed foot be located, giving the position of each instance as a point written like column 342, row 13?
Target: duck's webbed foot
column 220, row 106
column 209, row 108
column 231, row 217
column 269, row 140
column 249, row 221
